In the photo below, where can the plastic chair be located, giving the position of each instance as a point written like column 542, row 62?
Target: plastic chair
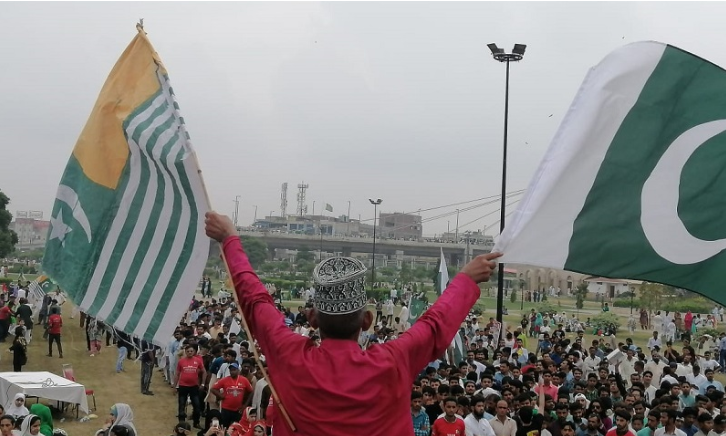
column 69, row 375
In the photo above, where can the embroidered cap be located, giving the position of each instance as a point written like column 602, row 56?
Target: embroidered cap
column 339, row 285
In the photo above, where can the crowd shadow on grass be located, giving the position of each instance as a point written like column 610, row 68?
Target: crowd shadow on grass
column 153, row 415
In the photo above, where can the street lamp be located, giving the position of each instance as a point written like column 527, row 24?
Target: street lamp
column 499, row 55
column 375, row 204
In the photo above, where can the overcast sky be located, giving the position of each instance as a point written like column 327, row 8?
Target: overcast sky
column 398, row 101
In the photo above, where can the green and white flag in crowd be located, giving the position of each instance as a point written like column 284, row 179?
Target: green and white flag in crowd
column 39, row 288
column 633, row 184
column 328, row 207
column 126, row 241
column 416, row 307
column 442, row 278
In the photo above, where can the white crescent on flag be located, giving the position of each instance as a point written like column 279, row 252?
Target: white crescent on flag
column 68, row 196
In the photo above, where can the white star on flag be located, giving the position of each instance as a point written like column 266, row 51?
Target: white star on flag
column 59, row 229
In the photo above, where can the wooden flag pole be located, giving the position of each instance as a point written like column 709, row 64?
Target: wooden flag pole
column 276, row 397
column 245, row 326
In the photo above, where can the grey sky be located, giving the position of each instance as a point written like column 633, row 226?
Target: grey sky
column 399, row 101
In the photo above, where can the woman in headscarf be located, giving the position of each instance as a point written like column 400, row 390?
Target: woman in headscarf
column 31, row 426
column 258, row 429
column 46, row 419
column 17, row 408
column 120, row 415
column 537, row 323
column 688, row 321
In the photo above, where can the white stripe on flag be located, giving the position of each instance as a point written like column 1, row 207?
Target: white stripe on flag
column 157, row 239
column 180, row 301
column 575, row 149
column 142, row 222
column 122, row 215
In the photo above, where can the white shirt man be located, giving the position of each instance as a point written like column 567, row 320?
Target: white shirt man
column 654, row 341
column 627, row 366
column 477, row 427
column 388, row 309
column 59, row 297
column 403, row 315
column 591, row 363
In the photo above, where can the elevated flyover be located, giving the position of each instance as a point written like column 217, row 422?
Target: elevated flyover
column 349, row 245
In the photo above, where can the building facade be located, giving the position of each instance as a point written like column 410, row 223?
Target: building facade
column 32, row 232
column 400, row 226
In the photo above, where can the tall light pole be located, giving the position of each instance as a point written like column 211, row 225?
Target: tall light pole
column 347, row 218
column 499, row 55
column 236, row 209
column 375, row 204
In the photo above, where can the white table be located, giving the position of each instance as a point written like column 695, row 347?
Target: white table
column 42, row 384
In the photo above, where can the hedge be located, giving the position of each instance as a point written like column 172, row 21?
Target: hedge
column 378, row 294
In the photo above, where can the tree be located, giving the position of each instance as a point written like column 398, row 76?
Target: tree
column 580, row 294
column 304, row 255
column 651, row 295
column 8, row 238
column 256, row 250
column 405, row 276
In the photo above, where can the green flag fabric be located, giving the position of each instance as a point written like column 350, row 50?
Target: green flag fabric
column 416, row 307
column 126, row 240
column 633, row 184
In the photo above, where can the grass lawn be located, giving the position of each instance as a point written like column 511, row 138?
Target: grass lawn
column 30, row 277
column 152, row 414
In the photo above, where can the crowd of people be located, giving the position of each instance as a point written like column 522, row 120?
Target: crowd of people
column 541, row 378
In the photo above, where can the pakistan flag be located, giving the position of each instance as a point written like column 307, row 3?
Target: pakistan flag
column 633, row 184
column 126, row 239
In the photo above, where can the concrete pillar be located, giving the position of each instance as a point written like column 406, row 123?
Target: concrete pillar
column 347, row 251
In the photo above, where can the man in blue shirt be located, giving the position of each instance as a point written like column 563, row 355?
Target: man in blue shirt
column 420, row 418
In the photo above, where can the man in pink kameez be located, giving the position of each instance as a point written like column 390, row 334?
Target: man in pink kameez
column 337, row 389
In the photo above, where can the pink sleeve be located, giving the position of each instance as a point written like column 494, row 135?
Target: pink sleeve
column 433, row 332
column 263, row 318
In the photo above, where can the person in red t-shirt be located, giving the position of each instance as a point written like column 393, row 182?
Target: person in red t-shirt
column 189, row 370
column 449, row 424
column 55, row 322
column 6, row 311
column 622, row 425
column 233, row 392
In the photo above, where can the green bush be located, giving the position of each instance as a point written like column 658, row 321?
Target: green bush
column 606, row 318
column 478, row 309
column 17, row 269
column 6, row 280
column 695, row 305
column 625, row 302
column 378, row 294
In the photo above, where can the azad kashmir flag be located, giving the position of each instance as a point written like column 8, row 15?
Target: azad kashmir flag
column 126, row 240
column 40, row 287
column 632, row 185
